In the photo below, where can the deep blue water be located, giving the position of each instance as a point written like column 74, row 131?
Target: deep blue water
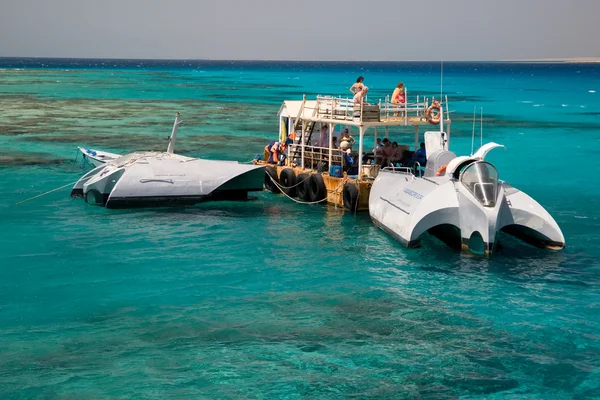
column 268, row 298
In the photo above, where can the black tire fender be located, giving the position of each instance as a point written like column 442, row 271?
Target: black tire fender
column 271, row 172
column 287, row 179
column 302, row 188
column 350, row 196
column 316, row 188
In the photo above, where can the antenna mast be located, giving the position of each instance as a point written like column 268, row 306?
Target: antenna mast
column 473, row 134
column 481, row 128
column 171, row 146
column 442, row 80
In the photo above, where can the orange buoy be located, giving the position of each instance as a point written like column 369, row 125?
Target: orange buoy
column 431, row 117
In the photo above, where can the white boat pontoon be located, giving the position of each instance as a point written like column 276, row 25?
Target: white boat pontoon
column 461, row 201
column 163, row 179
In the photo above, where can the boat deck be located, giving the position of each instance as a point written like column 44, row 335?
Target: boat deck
column 300, row 122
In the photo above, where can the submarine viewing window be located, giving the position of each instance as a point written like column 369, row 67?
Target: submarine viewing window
column 481, row 179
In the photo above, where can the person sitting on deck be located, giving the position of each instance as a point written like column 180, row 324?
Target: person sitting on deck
column 387, row 152
column 396, row 154
column 346, row 141
column 378, row 146
column 420, row 157
column 377, row 151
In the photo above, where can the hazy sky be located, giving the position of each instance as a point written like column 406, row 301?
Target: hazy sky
column 301, row 30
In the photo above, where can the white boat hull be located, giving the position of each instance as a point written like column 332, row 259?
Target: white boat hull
column 162, row 179
column 406, row 207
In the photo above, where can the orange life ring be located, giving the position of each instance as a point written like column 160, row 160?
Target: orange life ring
column 433, row 118
column 441, row 170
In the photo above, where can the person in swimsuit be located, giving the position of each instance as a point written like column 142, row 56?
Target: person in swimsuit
column 359, row 97
column 399, row 95
column 357, row 87
column 346, row 141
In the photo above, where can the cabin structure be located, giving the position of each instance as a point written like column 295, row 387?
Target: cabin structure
column 313, row 171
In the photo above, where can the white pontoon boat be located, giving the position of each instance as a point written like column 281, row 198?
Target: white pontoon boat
column 459, row 200
column 164, row 178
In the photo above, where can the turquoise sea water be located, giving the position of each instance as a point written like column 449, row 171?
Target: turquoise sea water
column 268, row 298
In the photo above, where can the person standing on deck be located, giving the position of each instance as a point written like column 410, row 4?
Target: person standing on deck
column 324, row 137
column 359, row 97
column 399, row 96
column 346, row 140
column 357, row 87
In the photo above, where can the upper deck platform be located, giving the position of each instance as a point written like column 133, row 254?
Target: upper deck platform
column 327, row 109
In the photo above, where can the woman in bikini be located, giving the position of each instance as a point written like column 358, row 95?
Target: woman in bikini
column 346, row 141
column 359, row 97
column 399, row 95
column 357, row 87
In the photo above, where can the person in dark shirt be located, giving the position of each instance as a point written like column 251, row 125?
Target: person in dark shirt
column 420, row 157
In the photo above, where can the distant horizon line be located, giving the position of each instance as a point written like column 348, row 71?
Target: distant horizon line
column 518, row 60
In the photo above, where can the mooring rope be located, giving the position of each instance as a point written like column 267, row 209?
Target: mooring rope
column 290, row 187
column 307, row 202
column 357, row 199
column 52, row 191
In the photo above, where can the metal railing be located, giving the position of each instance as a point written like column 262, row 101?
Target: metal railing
column 399, row 170
column 313, row 155
column 344, row 109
